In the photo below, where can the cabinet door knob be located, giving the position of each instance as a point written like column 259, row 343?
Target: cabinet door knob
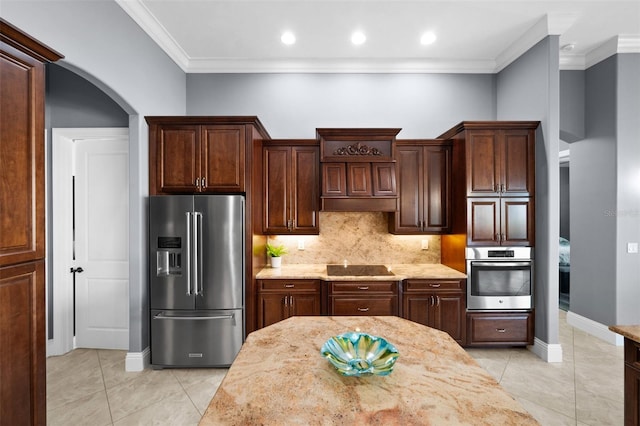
column 197, row 183
column 285, row 300
column 203, row 182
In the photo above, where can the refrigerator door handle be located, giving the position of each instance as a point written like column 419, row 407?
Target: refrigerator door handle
column 162, row 316
column 188, row 260
column 197, row 252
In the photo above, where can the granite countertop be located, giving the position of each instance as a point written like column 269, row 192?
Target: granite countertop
column 401, row 272
column 279, row 377
column 629, row 331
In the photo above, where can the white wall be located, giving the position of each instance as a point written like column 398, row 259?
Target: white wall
column 628, row 188
column 102, row 43
column 528, row 89
column 294, row 105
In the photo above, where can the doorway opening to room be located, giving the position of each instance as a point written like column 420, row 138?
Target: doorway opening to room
column 564, row 258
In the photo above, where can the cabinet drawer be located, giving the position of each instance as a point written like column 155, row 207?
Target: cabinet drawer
column 432, row 285
column 289, row 285
column 364, row 306
column 390, row 287
column 632, row 353
column 500, row 328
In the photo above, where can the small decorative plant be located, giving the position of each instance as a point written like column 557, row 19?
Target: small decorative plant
column 276, row 251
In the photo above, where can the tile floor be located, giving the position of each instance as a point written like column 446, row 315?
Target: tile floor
column 90, row 387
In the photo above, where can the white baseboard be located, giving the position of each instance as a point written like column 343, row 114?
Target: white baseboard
column 547, row 352
column 594, row 328
column 137, row 361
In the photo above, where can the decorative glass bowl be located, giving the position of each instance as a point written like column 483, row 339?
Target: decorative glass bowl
column 360, row 354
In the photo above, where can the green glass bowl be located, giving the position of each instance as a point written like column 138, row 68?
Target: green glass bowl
column 360, row 354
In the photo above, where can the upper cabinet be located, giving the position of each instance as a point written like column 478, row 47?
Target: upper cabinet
column 358, row 169
column 494, row 184
column 500, row 162
column 424, row 187
column 199, row 154
column 291, row 185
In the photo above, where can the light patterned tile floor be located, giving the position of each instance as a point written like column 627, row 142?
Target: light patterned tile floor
column 90, row 387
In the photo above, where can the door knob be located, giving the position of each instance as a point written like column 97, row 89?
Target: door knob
column 78, row 270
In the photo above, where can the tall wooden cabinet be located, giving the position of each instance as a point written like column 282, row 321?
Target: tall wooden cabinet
column 22, row 227
column 424, row 187
column 494, row 183
column 291, row 187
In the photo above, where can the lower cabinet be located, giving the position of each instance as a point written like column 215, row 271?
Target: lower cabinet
column 281, row 299
column 363, row 298
column 500, row 328
column 631, row 382
column 436, row 303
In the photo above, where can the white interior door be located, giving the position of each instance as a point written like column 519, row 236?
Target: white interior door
column 102, row 243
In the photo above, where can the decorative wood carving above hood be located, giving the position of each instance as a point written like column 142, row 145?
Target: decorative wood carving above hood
column 358, row 169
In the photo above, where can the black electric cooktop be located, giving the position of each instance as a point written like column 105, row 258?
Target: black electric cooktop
column 358, row 270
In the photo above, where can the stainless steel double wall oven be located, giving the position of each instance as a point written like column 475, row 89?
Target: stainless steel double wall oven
column 499, row 278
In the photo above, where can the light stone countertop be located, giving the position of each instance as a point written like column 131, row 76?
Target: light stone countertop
column 280, row 378
column 401, row 272
column 629, row 331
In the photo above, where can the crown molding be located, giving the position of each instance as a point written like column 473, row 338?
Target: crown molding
column 615, row 45
column 154, row 29
column 353, row 66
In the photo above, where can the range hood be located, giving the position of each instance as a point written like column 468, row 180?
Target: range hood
column 358, row 170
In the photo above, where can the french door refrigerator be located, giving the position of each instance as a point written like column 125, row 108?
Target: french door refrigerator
column 196, row 251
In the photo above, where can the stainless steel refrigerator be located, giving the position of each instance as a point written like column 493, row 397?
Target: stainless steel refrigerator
column 196, row 250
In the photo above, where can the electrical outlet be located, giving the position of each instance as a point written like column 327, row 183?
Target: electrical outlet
column 425, row 244
column 300, row 244
column 632, row 247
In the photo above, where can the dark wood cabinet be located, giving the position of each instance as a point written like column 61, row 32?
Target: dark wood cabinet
column 424, row 188
column 22, row 227
column 359, row 179
column 192, row 154
column 291, row 184
column 498, row 221
column 500, row 162
column 500, row 328
column 197, row 158
column 631, row 382
column 363, row 298
column 436, row 303
column 281, row 299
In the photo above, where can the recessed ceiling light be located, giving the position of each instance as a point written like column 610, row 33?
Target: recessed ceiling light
column 358, row 37
column 568, row 47
column 428, row 38
column 288, row 38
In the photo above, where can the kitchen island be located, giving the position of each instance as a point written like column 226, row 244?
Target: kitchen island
column 280, row 378
column 631, row 335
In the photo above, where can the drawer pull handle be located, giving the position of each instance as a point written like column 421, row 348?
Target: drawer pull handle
column 501, row 330
column 289, row 285
column 363, row 287
column 363, row 309
column 434, row 285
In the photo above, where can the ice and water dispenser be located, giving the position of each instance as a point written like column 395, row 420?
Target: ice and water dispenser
column 169, row 256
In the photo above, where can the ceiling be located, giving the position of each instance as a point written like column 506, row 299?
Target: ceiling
column 473, row 36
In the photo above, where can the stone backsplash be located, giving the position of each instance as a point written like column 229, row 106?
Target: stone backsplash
column 358, row 238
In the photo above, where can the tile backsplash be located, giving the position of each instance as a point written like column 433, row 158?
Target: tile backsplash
column 358, row 238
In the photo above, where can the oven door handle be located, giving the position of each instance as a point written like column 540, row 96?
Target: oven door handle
column 502, row 264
